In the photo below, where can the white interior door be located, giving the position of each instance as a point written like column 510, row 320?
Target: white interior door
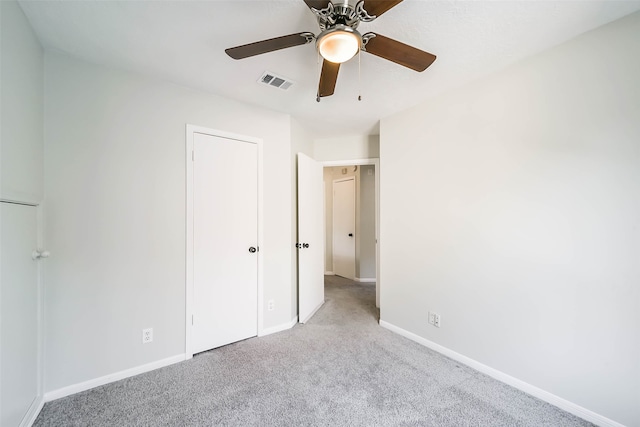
column 19, row 313
column 344, row 228
column 225, row 236
column 310, row 238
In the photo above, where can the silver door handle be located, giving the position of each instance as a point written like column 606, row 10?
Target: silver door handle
column 38, row 254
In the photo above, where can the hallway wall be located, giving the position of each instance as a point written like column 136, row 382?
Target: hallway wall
column 347, row 147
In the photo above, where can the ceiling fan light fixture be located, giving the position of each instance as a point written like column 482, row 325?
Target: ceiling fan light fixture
column 339, row 44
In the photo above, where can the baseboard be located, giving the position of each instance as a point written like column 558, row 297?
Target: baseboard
column 116, row 376
column 365, row 279
column 312, row 313
column 279, row 328
column 561, row 403
column 329, row 273
column 33, row 412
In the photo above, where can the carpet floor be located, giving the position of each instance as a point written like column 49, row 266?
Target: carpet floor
column 339, row 369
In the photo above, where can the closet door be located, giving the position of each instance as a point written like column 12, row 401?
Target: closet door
column 225, row 241
column 18, row 312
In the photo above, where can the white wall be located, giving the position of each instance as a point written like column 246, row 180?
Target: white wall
column 511, row 208
column 115, row 220
column 301, row 142
column 21, row 99
column 347, row 148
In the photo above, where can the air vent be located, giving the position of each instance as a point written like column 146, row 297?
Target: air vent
column 271, row 79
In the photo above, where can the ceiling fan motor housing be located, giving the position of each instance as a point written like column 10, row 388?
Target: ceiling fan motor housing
column 347, row 12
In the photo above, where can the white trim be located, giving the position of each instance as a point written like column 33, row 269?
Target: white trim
column 33, row 412
column 329, row 273
column 39, row 401
column 279, row 328
column 376, row 164
column 355, row 162
column 260, row 237
column 365, row 279
column 190, row 130
column 324, row 223
column 541, row 394
column 116, row 376
column 312, row 313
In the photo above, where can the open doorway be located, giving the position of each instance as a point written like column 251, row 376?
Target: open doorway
column 351, row 251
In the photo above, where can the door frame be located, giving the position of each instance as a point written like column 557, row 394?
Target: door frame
column 189, row 304
column 38, row 402
column 333, row 221
column 376, row 166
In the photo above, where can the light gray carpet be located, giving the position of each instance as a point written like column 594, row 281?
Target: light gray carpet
column 340, row 369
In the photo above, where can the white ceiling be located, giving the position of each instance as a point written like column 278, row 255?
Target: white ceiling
column 184, row 41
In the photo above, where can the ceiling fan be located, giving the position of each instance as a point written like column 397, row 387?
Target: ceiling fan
column 339, row 39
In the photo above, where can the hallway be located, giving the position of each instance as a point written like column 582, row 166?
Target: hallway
column 356, row 301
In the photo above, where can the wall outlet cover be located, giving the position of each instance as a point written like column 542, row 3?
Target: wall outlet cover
column 147, row 335
column 432, row 318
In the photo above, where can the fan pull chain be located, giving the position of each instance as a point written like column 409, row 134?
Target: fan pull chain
column 319, row 74
column 359, row 77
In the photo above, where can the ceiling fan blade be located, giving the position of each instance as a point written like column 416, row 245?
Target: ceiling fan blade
column 328, row 78
column 378, row 7
column 397, row 52
column 317, row 4
column 269, row 45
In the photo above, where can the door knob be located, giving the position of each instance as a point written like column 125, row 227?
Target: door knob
column 252, row 249
column 350, row 234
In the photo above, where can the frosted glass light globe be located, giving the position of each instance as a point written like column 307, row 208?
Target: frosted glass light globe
column 339, row 44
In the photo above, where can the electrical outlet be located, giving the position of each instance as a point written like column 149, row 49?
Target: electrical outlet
column 432, row 318
column 147, row 335
column 436, row 320
column 271, row 305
